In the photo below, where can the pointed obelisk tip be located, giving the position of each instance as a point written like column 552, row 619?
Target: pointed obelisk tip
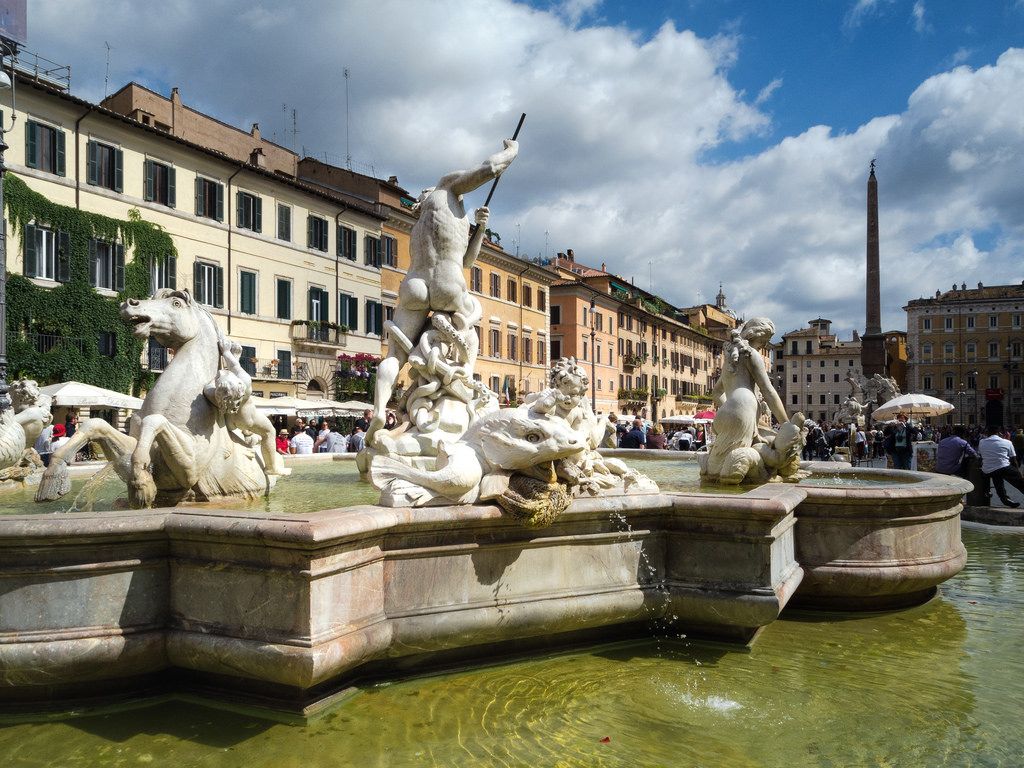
column 872, row 167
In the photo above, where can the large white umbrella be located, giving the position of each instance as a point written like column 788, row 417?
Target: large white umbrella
column 75, row 394
column 912, row 405
column 292, row 406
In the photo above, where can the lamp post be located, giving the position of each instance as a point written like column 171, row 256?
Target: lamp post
column 7, row 48
column 593, row 356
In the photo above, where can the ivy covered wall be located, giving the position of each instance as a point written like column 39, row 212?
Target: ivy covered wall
column 71, row 332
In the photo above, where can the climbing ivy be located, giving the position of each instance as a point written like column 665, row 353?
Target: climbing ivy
column 74, row 311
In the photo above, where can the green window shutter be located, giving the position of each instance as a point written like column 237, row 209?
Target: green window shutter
column 239, row 209
column 247, row 293
column 218, row 287
column 325, row 306
column 171, row 196
column 284, row 300
column 92, row 165
column 118, row 267
column 31, row 270
column 353, row 313
column 257, row 214
column 147, row 173
column 61, row 163
column 197, row 281
column 309, row 304
column 92, row 263
column 200, row 185
column 220, row 202
column 309, row 231
column 378, row 315
column 339, row 236
column 32, row 144
column 172, row 271
column 63, row 257
column 118, row 170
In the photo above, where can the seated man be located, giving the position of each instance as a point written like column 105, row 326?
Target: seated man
column 999, row 463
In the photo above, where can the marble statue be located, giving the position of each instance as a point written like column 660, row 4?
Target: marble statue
column 742, row 452
column 441, row 249
column 196, row 437
column 865, row 391
column 20, row 427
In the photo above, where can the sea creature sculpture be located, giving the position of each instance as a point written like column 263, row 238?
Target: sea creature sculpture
column 182, row 445
column 20, row 426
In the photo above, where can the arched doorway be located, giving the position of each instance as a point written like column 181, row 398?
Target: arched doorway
column 315, row 390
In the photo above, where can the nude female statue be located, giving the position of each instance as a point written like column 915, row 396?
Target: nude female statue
column 441, row 249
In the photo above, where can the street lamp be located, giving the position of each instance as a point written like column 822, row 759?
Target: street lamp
column 7, row 48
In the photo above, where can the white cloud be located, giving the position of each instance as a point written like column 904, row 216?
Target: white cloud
column 766, row 93
column 618, row 124
column 862, row 10
column 917, row 13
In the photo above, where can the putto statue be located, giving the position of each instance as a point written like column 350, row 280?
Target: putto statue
column 197, row 437
column 20, row 426
column 741, row 452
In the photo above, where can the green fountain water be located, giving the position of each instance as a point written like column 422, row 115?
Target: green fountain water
column 937, row 685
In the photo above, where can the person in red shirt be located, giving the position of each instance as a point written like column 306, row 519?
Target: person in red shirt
column 282, row 441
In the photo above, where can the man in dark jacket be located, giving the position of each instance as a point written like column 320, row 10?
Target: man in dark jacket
column 636, row 437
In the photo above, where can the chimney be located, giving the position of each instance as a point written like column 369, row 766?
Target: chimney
column 570, row 255
column 255, row 131
column 604, row 267
column 980, row 285
column 175, row 106
column 257, row 158
column 393, row 180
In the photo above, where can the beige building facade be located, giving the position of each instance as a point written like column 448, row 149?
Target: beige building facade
column 262, row 251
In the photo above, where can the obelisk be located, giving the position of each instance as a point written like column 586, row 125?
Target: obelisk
column 872, row 351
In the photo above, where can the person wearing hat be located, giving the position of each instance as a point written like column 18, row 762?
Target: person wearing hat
column 60, row 437
column 282, row 441
column 899, row 441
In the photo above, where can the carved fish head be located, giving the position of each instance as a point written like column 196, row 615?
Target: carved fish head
column 511, row 440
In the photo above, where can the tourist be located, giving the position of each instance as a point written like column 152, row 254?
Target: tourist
column 860, row 440
column 333, row 441
column 878, row 439
column 391, row 421
column 656, row 438
column 71, row 424
column 684, row 440
column 363, row 423
column 282, row 442
column 357, row 439
column 323, row 430
column 59, row 438
column 42, row 445
column 999, row 464
column 953, row 454
column 621, row 428
column 301, row 443
column 899, row 442
column 636, row 437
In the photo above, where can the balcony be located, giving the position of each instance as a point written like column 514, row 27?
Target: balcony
column 51, row 342
column 629, row 362
column 633, row 395
column 277, row 371
column 318, row 335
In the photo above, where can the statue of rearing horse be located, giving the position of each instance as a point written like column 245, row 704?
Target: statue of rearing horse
column 186, row 443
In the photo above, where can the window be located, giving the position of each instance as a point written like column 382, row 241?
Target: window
column 948, row 323
column 248, row 360
column 585, row 350
column 556, row 314
column 510, row 291
column 208, row 284
column 821, row 378
column 389, row 250
column 795, row 401
column 284, row 363
column 972, row 351
column 527, row 295
column 513, row 347
column 809, row 346
column 835, row 399
column 316, row 233
column 374, row 317
column 1016, row 321
column 972, row 381
column 284, row 226
column 1015, row 349
column 247, row 292
column 808, row 378
column 527, row 351
column 106, row 265
column 926, row 351
column 283, row 289
column 993, row 321
column 970, row 321
column 794, row 348
column 371, row 251
column 159, row 183
column 926, row 324
column 250, row 211
column 835, row 378
column 947, row 352
column 993, row 381
column 810, row 399
column 585, row 323
column 795, row 376
column 319, row 308
column 347, row 243
column 495, row 285
column 993, row 350
column 44, row 148
column 927, row 382
column 494, row 343
column 476, row 279
column 163, row 273
column 156, row 355
column 107, row 343
column 348, row 311
column 104, row 166
column 822, row 363
column 209, row 199
column 556, row 351
column 47, row 253
column 540, row 351
column 821, row 400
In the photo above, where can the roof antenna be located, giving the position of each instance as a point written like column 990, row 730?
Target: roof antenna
column 106, row 77
column 348, row 155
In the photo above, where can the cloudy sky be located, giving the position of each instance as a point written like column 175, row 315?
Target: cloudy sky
column 684, row 143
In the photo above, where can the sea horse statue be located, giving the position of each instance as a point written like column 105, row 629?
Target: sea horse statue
column 196, row 437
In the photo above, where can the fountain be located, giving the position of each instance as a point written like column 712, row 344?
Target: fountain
column 286, row 608
column 20, row 426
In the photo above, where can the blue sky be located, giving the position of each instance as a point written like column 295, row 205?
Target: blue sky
column 701, row 141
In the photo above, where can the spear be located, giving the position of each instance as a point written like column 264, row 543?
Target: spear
column 494, row 186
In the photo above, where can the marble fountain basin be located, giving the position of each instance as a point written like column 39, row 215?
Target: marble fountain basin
column 288, row 609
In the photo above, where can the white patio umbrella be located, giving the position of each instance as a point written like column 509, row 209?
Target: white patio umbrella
column 912, row 405
column 75, row 394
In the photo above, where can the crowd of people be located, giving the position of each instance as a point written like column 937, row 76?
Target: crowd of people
column 641, row 433
column 997, row 450
column 327, row 435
